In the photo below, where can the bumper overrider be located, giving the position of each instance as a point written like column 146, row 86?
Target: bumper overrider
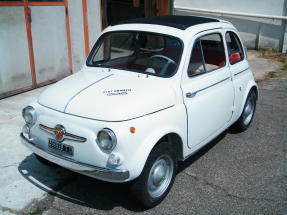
column 112, row 175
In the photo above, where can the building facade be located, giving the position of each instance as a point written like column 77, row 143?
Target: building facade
column 262, row 24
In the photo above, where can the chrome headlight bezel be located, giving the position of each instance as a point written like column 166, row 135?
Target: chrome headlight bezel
column 106, row 139
column 29, row 114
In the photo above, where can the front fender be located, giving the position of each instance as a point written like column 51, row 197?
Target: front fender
column 166, row 122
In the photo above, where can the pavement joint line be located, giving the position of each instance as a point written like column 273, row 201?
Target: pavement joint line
column 225, row 191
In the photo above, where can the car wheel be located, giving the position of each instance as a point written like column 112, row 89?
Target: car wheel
column 157, row 176
column 247, row 114
column 45, row 162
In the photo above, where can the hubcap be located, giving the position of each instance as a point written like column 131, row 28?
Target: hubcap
column 249, row 111
column 160, row 176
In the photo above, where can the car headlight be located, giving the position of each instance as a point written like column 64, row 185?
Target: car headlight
column 29, row 115
column 106, row 139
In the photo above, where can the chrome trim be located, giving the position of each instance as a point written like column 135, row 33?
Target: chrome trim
column 111, row 134
column 190, row 95
column 32, row 111
column 66, row 135
column 241, row 72
column 112, row 175
column 205, row 88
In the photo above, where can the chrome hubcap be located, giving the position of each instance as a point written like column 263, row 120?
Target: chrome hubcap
column 249, row 111
column 160, row 176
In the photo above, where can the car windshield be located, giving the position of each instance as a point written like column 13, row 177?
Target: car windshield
column 149, row 53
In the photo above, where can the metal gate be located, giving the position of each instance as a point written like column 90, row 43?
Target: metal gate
column 35, row 44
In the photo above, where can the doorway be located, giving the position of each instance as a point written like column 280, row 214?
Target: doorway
column 114, row 11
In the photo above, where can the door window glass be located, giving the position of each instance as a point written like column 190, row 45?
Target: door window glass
column 234, row 47
column 207, row 55
column 213, row 51
column 196, row 64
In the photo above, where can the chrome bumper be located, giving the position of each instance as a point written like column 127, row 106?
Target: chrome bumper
column 111, row 175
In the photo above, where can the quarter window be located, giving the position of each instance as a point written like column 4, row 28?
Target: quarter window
column 234, row 47
column 207, row 55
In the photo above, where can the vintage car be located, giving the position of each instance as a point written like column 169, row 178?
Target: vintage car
column 152, row 92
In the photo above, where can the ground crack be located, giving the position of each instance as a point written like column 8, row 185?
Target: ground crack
column 14, row 164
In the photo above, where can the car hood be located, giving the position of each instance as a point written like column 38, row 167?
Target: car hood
column 109, row 96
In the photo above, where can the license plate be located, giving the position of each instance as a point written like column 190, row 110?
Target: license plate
column 61, row 147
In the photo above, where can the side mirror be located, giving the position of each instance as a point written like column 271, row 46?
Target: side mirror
column 235, row 57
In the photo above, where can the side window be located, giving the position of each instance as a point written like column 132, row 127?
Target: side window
column 207, row 55
column 234, row 47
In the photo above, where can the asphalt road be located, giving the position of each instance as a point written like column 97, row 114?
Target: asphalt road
column 242, row 173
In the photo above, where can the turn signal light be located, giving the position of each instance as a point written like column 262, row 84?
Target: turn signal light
column 132, row 130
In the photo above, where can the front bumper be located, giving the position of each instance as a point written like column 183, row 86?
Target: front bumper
column 111, row 175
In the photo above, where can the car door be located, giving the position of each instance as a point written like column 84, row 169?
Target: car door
column 207, row 88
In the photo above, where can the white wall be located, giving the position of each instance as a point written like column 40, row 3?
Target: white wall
column 14, row 54
column 50, row 46
column 77, row 34
column 77, row 29
column 268, row 7
column 94, row 20
column 271, row 31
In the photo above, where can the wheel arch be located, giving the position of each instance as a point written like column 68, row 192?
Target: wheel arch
column 176, row 141
column 250, row 86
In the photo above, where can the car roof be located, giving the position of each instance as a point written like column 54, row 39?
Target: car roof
column 179, row 22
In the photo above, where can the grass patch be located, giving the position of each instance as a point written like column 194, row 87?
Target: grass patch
column 38, row 211
column 284, row 62
column 278, row 58
column 271, row 74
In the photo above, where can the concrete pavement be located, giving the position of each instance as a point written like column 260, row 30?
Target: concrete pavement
column 236, row 174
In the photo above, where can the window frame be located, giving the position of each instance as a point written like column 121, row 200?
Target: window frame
column 224, row 50
column 240, row 45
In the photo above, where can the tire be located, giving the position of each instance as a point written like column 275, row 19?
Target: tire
column 45, row 162
column 157, row 176
column 247, row 114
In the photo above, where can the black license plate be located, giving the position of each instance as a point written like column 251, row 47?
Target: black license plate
column 61, row 147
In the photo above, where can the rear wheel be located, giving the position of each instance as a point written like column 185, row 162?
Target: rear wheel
column 157, row 177
column 45, row 162
column 247, row 114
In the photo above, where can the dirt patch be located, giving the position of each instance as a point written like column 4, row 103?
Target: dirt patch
column 276, row 58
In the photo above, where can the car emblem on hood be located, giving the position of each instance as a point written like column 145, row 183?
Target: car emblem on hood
column 60, row 133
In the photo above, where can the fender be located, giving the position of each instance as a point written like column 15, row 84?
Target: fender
column 147, row 145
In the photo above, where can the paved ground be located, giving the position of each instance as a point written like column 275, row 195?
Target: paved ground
column 236, row 174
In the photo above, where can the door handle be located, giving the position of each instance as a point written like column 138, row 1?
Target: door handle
column 190, row 95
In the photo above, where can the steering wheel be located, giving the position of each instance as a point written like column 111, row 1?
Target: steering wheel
column 169, row 61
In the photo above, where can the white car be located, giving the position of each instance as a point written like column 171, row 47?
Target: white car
column 152, row 92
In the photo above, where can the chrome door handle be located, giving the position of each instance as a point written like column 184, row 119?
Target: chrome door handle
column 190, row 95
